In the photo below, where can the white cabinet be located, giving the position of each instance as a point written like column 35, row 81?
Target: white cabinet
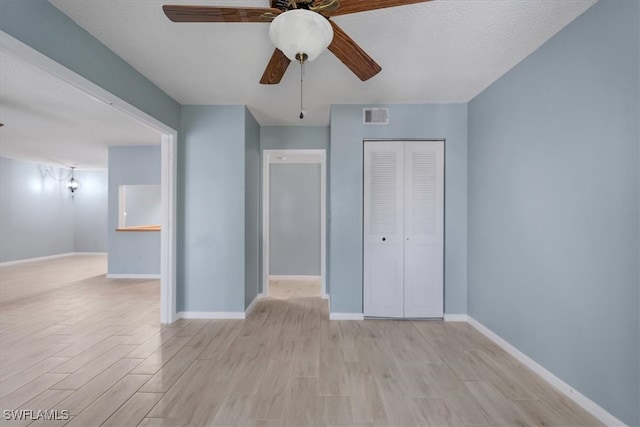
column 403, row 229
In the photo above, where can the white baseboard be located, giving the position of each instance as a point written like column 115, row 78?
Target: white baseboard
column 346, row 316
column 456, row 317
column 210, row 315
column 48, row 257
column 296, row 278
column 41, row 258
column 253, row 304
column 133, row 276
column 579, row 398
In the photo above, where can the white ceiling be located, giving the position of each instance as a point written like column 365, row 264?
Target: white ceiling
column 438, row 52
column 47, row 120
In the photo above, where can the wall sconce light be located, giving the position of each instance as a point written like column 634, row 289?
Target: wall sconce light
column 72, row 185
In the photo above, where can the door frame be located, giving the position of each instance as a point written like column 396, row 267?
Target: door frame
column 168, row 159
column 301, row 156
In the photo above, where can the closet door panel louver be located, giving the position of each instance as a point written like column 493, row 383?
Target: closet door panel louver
column 383, row 229
column 423, row 228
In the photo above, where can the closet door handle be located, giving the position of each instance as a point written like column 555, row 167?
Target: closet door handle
column 383, row 239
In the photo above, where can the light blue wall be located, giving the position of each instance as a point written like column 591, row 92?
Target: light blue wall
column 294, row 137
column 251, row 209
column 36, row 211
column 90, row 211
column 38, row 217
column 446, row 121
column 132, row 252
column 553, row 206
column 294, row 219
column 211, row 209
column 42, row 26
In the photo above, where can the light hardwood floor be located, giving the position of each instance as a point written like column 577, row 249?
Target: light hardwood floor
column 288, row 288
column 94, row 347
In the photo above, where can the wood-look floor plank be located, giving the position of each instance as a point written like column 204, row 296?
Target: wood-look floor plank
column 435, row 412
column 150, row 346
column 398, row 406
column 499, row 408
column 48, row 400
column 29, row 358
column 509, row 379
column 566, row 410
column 30, row 390
column 97, row 365
column 366, row 400
column 237, row 409
column 161, row 422
column 333, row 379
column 205, row 335
column 133, row 411
column 160, row 357
column 206, row 379
column 277, row 313
column 538, row 413
column 89, row 341
column 94, row 346
column 162, row 380
column 107, row 404
column 76, row 362
column 223, row 341
column 272, row 391
column 196, row 326
column 302, row 402
column 334, row 411
column 467, row 408
column 20, row 379
column 330, row 334
column 408, row 345
column 306, row 357
column 90, row 391
column 293, row 319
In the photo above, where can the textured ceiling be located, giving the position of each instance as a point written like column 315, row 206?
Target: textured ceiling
column 49, row 121
column 437, row 52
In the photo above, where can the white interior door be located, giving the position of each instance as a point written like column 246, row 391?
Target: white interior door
column 423, row 228
column 383, row 229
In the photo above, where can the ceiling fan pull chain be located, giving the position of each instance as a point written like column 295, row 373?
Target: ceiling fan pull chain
column 301, row 86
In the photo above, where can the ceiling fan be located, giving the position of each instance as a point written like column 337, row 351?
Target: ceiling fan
column 342, row 46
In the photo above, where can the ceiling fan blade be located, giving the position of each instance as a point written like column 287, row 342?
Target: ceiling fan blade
column 179, row 13
column 275, row 68
column 352, row 55
column 354, row 6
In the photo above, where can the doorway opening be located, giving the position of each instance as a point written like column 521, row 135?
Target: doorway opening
column 294, row 223
column 168, row 142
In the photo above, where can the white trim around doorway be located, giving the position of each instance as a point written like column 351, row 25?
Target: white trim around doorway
column 168, row 143
column 294, row 157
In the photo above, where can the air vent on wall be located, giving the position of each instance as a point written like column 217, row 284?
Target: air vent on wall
column 375, row 116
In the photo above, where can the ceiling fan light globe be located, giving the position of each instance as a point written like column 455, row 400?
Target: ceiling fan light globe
column 301, row 31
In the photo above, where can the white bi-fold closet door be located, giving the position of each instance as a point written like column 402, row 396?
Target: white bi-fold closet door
column 404, row 229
